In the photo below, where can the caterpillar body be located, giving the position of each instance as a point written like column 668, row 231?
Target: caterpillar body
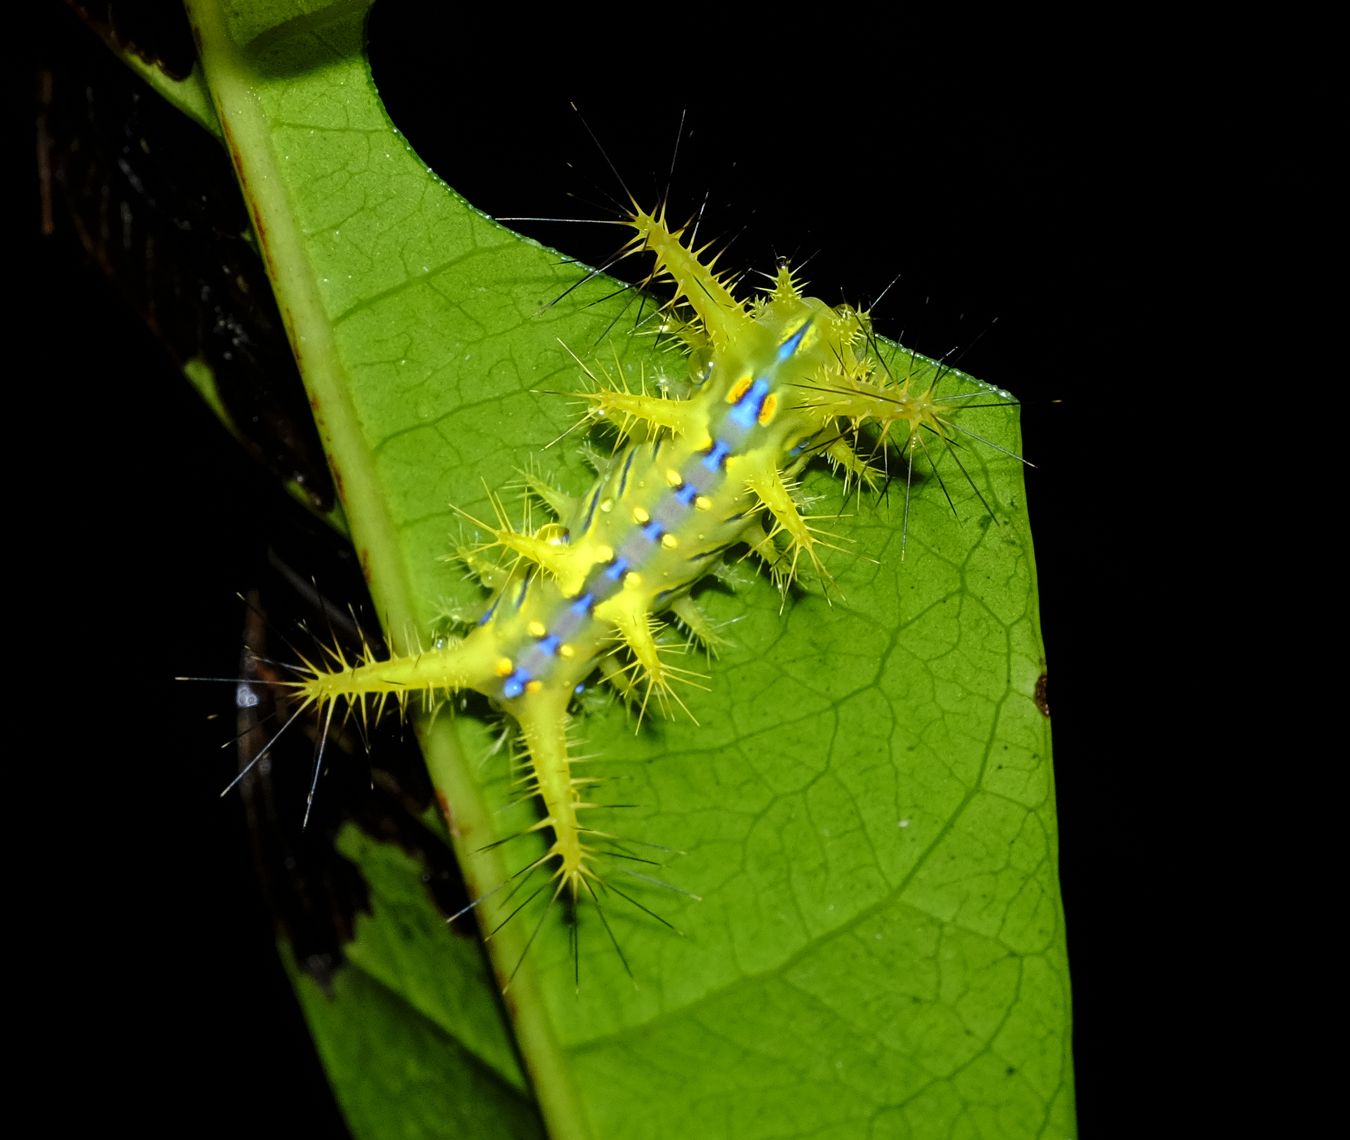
column 774, row 383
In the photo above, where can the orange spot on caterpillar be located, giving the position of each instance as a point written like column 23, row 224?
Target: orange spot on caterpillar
column 739, row 389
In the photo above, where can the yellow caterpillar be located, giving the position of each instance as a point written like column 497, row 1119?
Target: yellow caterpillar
column 775, row 383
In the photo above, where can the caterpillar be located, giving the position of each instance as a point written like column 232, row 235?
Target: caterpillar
column 705, row 468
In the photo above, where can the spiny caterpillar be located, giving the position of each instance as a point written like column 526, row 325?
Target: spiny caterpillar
column 775, row 383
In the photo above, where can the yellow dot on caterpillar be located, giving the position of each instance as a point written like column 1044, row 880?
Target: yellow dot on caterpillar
column 607, row 505
column 674, row 478
column 632, row 580
column 533, row 686
column 604, row 553
column 505, row 667
column 537, row 628
column 566, row 651
column 703, row 503
column 640, row 515
column 766, row 413
column 739, row 389
column 669, row 541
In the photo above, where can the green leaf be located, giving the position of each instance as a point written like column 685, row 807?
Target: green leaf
column 865, row 807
